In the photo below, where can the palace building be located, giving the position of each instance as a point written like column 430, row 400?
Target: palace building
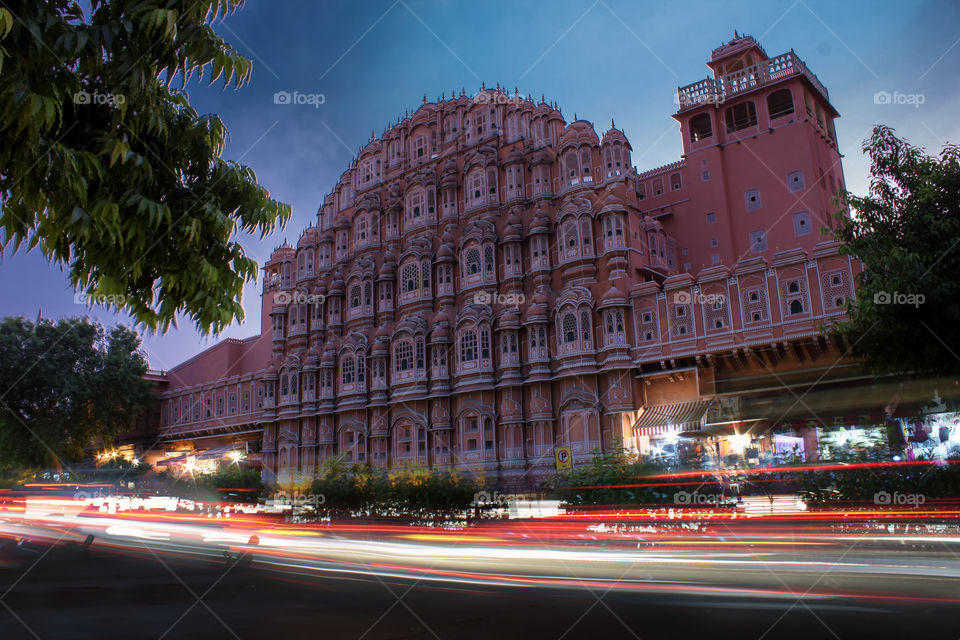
column 488, row 282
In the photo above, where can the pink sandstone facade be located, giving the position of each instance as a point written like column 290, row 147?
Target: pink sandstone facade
column 488, row 282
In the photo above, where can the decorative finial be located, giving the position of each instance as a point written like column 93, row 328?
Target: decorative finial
column 483, row 86
column 735, row 34
column 424, row 98
column 443, row 96
column 612, row 125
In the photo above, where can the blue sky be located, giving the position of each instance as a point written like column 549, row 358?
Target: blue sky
column 600, row 59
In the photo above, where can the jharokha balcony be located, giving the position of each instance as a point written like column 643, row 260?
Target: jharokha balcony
column 723, row 87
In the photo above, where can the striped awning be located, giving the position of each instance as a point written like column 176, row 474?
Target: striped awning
column 662, row 418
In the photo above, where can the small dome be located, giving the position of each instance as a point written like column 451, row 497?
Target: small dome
column 516, row 155
column 615, row 135
column 309, row 237
column 613, row 297
column 535, row 311
column 577, row 133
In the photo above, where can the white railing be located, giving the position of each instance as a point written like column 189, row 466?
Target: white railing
column 717, row 90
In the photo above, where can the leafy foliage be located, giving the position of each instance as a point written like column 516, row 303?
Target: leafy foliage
column 106, row 167
column 66, row 386
column 906, row 233
column 617, row 478
column 376, row 492
column 217, row 485
column 863, row 484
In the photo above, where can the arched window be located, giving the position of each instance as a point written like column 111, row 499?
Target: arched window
column 420, row 147
column 538, row 342
column 473, row 261
column 403, row 357
column 586, row 164
column 571, row 167
column 410, row 280
column 614, row 157
column 414, row 210
column 701, row 127
column 476, row 186
column 355, row 300
column 569, row 328
column 796, row 307
column 488, row 260
column 585, row 332
column 468, row 346
column 431, row 213
column 425, row 276
column 780, row 103
column 613, row 231
column 575, row 331
column 675, row 182
column 741, row 116
column 492, row 180
column 586, row 236
column 347, row 370
column 362, row 231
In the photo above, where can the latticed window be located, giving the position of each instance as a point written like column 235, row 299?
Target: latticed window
column 488, row 259
column 355, row 296
column 410, row 279
column 367, row 293
column 468, row 346
column 473, row 261
column 425, row 270
column 420, row 354
column 484, row 343
column 403, row 356
column 569, row 328
column 347, row 370
column 585, row 326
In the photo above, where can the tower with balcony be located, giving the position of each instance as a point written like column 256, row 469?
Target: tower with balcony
column 761, row 161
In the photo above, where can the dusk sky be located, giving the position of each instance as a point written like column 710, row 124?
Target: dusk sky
column 600, row 59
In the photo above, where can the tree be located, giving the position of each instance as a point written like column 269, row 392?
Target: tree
column 906, row 234
column 66, row 387
column 107, row 169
